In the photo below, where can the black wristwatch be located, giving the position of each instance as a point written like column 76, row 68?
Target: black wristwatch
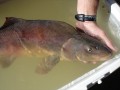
column 83, row 17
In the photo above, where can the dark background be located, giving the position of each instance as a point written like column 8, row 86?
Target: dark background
column 118, row 1
column 112, row 82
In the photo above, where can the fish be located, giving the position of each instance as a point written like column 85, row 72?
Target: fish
column 57, row 40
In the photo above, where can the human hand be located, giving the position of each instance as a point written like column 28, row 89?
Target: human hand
column 94, row 30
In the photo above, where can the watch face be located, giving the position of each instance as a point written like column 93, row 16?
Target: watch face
column 80, row 17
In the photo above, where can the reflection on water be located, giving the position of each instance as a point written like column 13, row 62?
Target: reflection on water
column 21, row 74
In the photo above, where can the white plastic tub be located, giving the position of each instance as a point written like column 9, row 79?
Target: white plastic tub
column 21, row 75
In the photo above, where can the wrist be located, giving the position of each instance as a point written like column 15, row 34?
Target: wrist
column 86, row 12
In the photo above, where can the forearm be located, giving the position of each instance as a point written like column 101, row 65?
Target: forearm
column 87, row 7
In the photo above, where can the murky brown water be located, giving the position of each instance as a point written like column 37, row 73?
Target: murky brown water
column 21, row 74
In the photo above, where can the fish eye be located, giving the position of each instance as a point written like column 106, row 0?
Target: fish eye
column 89, row 49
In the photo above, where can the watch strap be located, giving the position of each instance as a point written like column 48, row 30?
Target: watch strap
column 83, row 17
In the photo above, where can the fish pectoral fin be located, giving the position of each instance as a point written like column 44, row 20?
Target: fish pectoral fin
column 47, row 64
column 6, row 61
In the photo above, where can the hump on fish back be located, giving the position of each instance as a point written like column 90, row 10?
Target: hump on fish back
column 10, row 21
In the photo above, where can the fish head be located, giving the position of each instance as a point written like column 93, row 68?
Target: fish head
column 86, row 49
column 93, row 52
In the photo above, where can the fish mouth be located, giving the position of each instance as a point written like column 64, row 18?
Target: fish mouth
column 93, row 58
column 105, row 58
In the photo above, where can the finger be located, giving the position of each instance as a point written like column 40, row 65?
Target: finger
column 108, row 43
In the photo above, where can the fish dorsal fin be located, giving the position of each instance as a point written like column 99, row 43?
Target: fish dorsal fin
column 10, row 21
